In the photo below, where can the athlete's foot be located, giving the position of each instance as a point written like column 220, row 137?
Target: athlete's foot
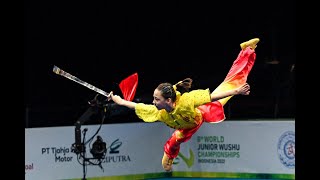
column 252, row 43
column 167, row 162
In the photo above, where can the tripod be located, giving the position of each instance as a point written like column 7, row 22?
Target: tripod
column 79, row 147
column 84, row 159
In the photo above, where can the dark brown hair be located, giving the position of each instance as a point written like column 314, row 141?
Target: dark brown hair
column 168, row 90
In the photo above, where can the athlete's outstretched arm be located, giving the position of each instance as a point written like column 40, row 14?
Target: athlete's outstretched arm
column 122, row 102
column 243, row 90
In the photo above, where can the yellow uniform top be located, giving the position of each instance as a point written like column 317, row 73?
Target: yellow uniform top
column 184, row 116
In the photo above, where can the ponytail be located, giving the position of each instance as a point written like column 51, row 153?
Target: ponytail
column 183, row 86
column 169, row 91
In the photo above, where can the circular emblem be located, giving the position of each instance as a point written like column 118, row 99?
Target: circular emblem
column 286, row 149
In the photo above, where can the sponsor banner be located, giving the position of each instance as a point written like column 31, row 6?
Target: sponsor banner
column 236, row 148
column 133, row 148
column 231, row 149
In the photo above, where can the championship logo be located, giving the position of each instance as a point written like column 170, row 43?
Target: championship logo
column 286, row 149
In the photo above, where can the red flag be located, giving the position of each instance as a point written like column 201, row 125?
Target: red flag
column 129, row 86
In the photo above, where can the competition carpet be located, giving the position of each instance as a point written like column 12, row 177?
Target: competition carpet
column 209, row 179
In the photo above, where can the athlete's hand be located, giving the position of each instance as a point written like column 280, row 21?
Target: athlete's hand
column 115, row 98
